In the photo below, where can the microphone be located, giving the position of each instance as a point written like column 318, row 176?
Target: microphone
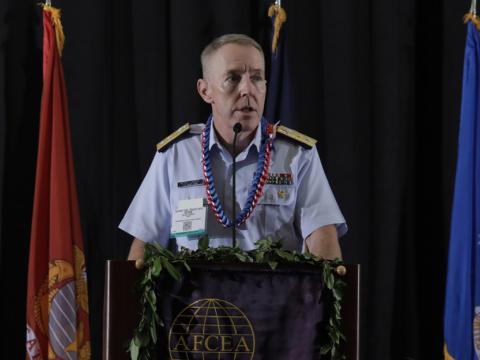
column 237, row 128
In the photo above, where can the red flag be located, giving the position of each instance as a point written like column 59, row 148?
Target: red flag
column 57, row 301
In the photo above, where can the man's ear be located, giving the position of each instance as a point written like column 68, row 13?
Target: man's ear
column 203, row 91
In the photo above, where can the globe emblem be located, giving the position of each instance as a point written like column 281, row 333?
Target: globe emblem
column 211, row 329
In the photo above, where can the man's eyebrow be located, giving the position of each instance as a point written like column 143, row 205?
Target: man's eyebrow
column 233, row 71
column 241, row 70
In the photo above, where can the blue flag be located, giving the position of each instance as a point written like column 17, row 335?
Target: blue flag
column 279, row 101
column 462, row 302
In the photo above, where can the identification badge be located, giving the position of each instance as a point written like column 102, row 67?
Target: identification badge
column 190, row 218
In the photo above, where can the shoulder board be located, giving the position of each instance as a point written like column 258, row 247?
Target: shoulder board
column 179, row 133
column 173, row 136
column 304, row 140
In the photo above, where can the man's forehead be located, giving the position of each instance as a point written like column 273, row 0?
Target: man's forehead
column 242, row 67
column 239, row 54
column 235, row 58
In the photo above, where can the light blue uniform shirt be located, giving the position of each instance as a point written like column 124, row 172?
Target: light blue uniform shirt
column 288, row 212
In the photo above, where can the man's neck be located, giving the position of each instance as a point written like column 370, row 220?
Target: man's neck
column 244, row 138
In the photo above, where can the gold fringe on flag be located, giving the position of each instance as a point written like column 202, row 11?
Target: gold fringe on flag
column 473, row 18
column 446, row 355
column 280, row 18
column 57, row 24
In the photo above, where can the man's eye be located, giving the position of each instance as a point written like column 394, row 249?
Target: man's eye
column 233, row 78
column 256, row 78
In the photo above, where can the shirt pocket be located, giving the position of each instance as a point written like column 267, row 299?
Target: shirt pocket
column 276, row 209
column 278, row 195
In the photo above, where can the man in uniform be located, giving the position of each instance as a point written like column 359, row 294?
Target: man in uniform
column 281, row 188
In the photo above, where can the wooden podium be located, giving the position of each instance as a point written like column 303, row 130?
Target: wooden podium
column 120, row 315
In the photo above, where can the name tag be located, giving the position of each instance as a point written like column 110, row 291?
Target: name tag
column 189, row 183
column 189, row 219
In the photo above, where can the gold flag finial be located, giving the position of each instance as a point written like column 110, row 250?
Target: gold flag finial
column 57, row 24
column 472, row 15
column 280, row 17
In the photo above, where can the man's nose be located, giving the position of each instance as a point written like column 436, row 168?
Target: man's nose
column 245, row 86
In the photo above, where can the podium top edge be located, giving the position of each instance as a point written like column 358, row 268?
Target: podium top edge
column 239, row 266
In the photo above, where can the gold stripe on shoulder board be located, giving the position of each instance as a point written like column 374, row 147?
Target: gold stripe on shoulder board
column 297, row 136
column 173, row 136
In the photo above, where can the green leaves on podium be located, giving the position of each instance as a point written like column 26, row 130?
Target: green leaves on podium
column 335, row 285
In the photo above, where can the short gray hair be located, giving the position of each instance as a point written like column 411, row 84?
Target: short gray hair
column 217, row 43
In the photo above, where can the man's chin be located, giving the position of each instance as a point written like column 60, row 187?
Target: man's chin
column 248, row 120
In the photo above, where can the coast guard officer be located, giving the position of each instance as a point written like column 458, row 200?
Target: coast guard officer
column 281, row 188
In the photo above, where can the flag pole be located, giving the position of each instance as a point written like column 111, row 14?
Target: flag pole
column 473, row 8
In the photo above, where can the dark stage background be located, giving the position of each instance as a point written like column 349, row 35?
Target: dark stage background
column 376, row 82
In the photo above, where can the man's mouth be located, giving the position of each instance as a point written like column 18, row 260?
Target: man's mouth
column 246, row 109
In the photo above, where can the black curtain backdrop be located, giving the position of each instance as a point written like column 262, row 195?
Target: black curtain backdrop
column 377, row 82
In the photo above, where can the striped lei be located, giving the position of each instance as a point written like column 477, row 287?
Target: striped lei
column 258, row 182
